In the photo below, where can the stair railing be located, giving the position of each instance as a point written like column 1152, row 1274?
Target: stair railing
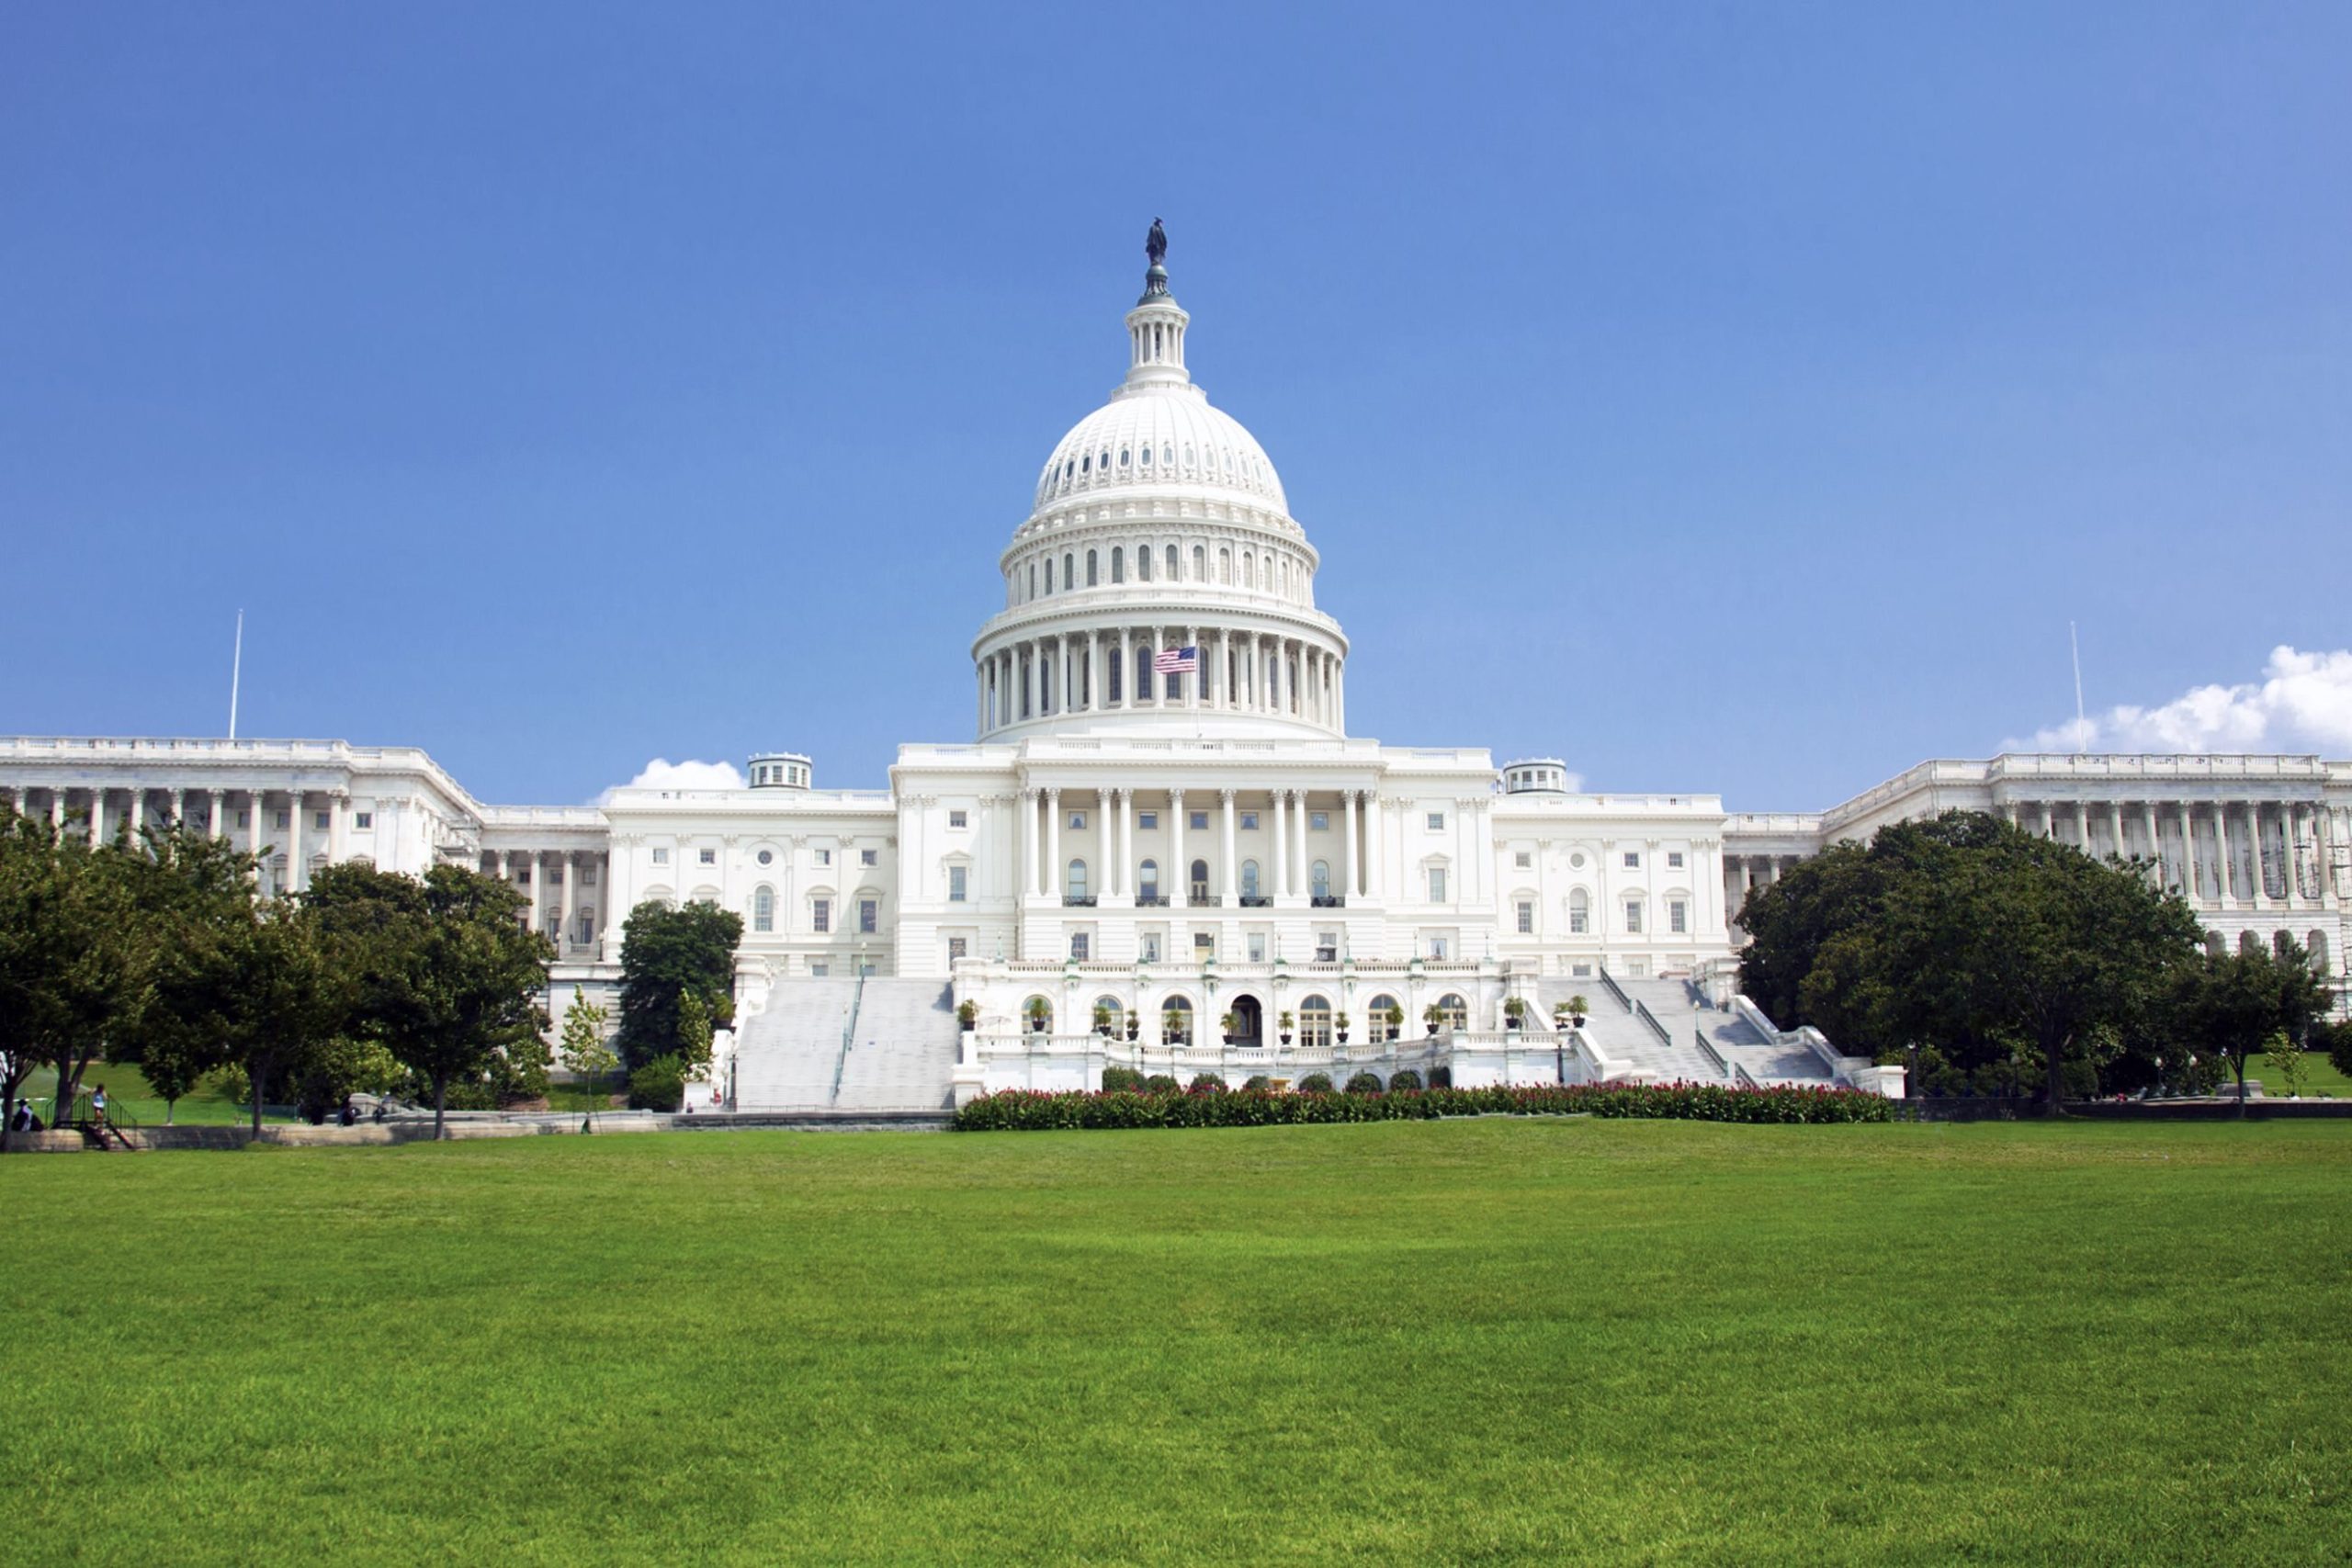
column 1649, row 1018
column 1707, row 1049
column 1609, row 983
column 849, row 1033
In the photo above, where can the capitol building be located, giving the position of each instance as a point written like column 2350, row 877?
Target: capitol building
column 1162, row 848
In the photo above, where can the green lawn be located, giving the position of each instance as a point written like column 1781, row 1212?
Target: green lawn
column 1491, row 1341
column 127, row 1091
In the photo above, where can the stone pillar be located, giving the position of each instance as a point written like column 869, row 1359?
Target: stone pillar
column 57, row 810
column 1056, row 887
column 1106, row 845
column 2156, row 844
column 2115, row 827
column 296, row 878
column 98, row 817
column 220, row 818
column 338, row 819
column 1375, row 831
column 1126, row 672
column 1300, row 881
column 1094, row 671
column 1182, row 867
column 1282, row 844
column 1025, row 836
column 1347, row 837
column 1229, row 872
column 2225, row 879
column 1127, row 843
column 256, row 809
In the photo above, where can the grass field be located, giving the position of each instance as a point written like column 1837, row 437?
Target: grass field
column 127, row 1092
column 1467, row 1341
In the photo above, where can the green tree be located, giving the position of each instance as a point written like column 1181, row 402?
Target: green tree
column 2335, row 1039
column 275, row 990
column 667, row 953
column 193, row 893
column 2230, row 1005
column 2285, row 1060
column 585, row 1054
column 448, row 975
column 694, row 1032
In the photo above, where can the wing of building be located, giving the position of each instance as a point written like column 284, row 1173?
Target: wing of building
column 1162, row 848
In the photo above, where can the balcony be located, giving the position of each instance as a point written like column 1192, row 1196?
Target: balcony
column 1330, row 901
column 1204, row 899
column 1257, row 901
column 1076, row 901
column 1151, row 901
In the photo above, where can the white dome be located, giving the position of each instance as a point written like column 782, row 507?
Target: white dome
column 1161, row 438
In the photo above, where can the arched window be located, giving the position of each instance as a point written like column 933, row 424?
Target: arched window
column 763, row 908
column 1090, row 575
column 1224, row 567
column 1249, row 569
column 1118, row 564
column 1176, row 1021
column 1200, row 880
column 1200, row 563
column 2317, row 945
column 1173, row 573
column 2248, row 944
column 1377, row 1026
column 1248, row 879
column 1117, row 685
column 1147, row 880
column 2215, row 947
column 1032, row 580
column 1077, row 880
column 1116, row 1025
column 1143, row 564
column 1452, row 1011
column 1049, row 576
column 1143, row 672
column 1038, row 1014
column 2280, row 945
column 1579, row 914
column 1319, row 873
column 1069, row 572
column 1315, row 1023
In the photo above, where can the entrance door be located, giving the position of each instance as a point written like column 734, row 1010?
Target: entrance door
column 1244, row 1013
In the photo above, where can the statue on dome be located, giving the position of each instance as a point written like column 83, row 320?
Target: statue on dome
column 1155, row 244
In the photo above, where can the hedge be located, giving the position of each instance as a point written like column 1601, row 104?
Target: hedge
column 1021, row 1110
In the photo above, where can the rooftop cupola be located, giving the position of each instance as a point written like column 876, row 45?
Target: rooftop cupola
column 1156, row 326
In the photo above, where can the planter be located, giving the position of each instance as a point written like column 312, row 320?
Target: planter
column 1512, row 1020
column 1285, row 1039
column 1343, row 1036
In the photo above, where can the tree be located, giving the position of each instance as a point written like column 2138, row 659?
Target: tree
column 448, row 974
column 193, row 892
column 2000, row 951
column 2233, row 1004
column 2286, row 1063
column 585, row 1054
column 694, row 1032
column 665, row 954
column 2335, row 1039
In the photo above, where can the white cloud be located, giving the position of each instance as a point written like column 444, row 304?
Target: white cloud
column 2303, row 703
column 663, row 773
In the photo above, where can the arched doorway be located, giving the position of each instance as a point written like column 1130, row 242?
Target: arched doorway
column 1250, row 1021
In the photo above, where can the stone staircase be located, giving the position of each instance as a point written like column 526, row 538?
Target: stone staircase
column 901, row 1053
column 1622, row 1031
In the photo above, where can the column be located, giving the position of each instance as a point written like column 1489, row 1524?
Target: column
column 338, row 817
column 1191, row 685
column 1339, row 696
column 2156, row 844
column 2225, row 884
column 1229, row 872
column 2082, row 827
column 1300, row 882
column 1094, row 671
column 1281, row 845
column 2115, row 826
column 295, row 879
column 2260, row 890
column 1182, row 867
column 57, row 810
column 1126, row 672
column 97, row 817
column 1127, row 843
column 1278, row 690
column 220, row 818
column 1024, row 838
column 256, row 801
column 1376, row 818
column 1348, row 835
column 1055, row 885
column 1106, row 845
column 135, row 814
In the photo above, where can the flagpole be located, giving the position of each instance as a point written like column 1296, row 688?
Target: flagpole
column 236, row 670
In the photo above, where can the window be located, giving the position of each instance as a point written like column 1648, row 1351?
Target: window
column 1673, row 860
column 1077, row 819
column 1148, row 821
column 768, row 857
column 956, row 948
column 1143, row 564
column 1378, row 1030
column 818, row 969
column 1203, row 945
column 821, row 914
column 956, row 819
column 587, row 877
column 1176, row 1021
column 1315, row 1023
column 363, row 820
column 1437, row 884
column 1452, row 1011
column 1171, row 563
column 1091, row 577
column 1075, row 880
column 763, row 909
column 1526, row 917
column 1523, row 860
column 1118, row 564
column 1580, row 913
column 867, row 910
column 1326, row 947
column 1437, row 821
column 1147, row 880
column 1633, row 915
column 1249, row 821
column 522, row 877
column 1248, row 879
column 1319, row 877
column 824, row 857
column 1320, row 821
column 323, row 820
column 1437, row 947
column 1677, row 916
column 707, row 857
column 1069, row 572
column 661, row 856
column 956, row 874
column 1200, row 879
column 285, row 818
column 869, row 857
column 1198, row 821
column 1633, row 859
column 1079, row 945
column 1257, row 947
column 1150, row 954
column 587, row 927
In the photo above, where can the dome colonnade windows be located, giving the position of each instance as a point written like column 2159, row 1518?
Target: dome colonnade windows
column 1189, row 848
column 1098, row 670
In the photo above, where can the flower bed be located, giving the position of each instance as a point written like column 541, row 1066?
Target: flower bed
column 1031, row 1111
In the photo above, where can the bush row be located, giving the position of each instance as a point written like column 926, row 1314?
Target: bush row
column 1029, row 1110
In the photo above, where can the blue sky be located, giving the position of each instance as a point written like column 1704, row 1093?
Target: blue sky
column 1737, row 399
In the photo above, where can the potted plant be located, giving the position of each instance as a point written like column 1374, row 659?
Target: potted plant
column 1040, row 1014
column 1134, row 1025
column 1514, row 1013
column 1577, row 1011
column 1433, row 1015
column 1102, row 1019
column 1560, row 1016
column 1284, row 1024
column 1231, row 1023
column 967, row 1015
column 1339, row 1027
column 1396, row 1020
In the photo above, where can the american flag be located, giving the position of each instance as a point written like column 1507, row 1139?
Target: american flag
column 1175, row 661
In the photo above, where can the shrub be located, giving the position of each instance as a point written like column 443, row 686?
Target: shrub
column 1315, row 1083
column 1032, row 1110
column 1159, row 1083
column 659, row 1085
column 1441, row 1077
column 1258, row 1083
column 1120, row 1081
column 1364, row 1083
column 1208, row 1083
column 1405, row 1081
